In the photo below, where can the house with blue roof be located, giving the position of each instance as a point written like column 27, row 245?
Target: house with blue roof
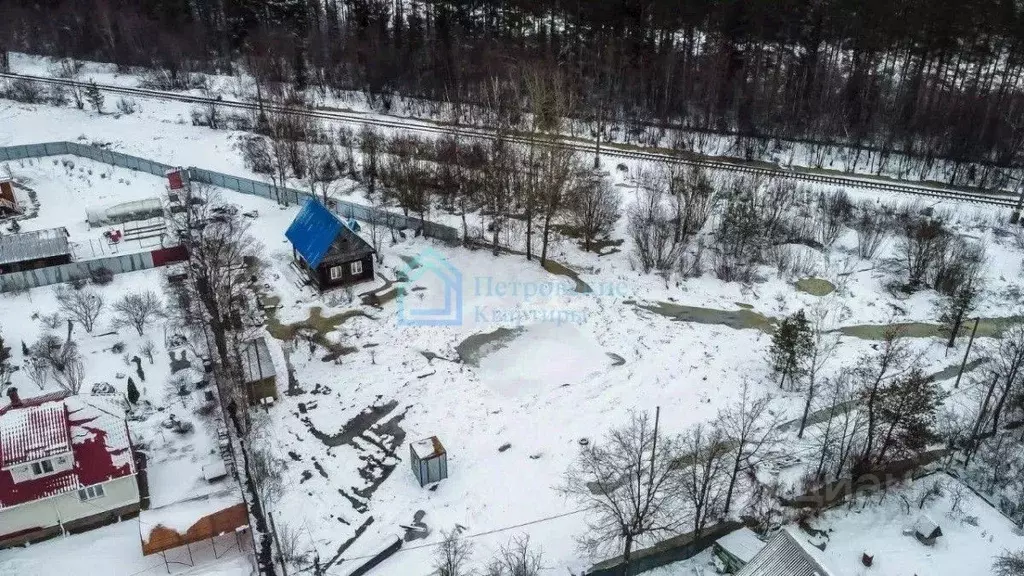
column 330, row 252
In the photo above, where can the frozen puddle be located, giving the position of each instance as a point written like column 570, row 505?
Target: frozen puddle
column 542, row 357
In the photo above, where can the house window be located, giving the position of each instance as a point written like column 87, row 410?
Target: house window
column 335, row 272
column 42, row 467
column 357, row 267
column 90, row 492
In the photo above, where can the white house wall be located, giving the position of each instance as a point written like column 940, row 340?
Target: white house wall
column 67, row 507
column 61, row 463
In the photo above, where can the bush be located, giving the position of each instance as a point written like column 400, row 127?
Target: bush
column 102, row 276
column 127, row 106
column 79, row 283
column 24, row 91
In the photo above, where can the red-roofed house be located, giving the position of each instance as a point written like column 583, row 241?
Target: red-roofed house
column 65, row 466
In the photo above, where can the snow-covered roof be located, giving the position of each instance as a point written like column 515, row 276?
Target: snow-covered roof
column 125, row 212
column 256, row 362
column 99, row 442
column 428, row 448
column 180, row 516
column 784, row 555
column 214, row 471
column 925, row 526
column 33, row 245
column 33, row 432
column 743, row 544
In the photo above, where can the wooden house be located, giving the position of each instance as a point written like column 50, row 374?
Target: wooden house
column 327, row 250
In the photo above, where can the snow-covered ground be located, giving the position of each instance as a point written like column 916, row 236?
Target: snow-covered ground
column 973, row 533
column 572, row 366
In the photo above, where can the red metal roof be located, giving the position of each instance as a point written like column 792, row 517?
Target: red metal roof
column 99, row 442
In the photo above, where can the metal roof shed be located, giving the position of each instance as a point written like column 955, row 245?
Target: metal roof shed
column 258, row 371
column 429, row 460
column 784, row 555
column 738, row 548
column 37, row 249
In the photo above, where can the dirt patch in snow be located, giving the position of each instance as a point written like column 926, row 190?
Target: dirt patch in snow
column 473, row 348
column 738, row 319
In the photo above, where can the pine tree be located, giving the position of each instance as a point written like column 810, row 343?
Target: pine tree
column 24, row 349
column 94, row 96
column 791, row 343
column 133, row 392
column 907, row 408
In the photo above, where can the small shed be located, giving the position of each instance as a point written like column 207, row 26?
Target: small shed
column 330, row 252
column 926, row 530
column 258, row 371
column 429, row 460
column 738, row 548
column 31, row 250
column 8, row 201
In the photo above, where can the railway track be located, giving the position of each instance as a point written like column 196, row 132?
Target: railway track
column 610, row 150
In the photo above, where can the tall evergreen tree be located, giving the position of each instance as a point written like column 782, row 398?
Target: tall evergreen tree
column 791, row 343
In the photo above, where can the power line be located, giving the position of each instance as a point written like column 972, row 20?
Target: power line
column 478, row 534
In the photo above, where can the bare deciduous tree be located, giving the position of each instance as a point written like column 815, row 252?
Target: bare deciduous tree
column 137, row 310
column 1009, row 564
column 73, row 374
column 651, row 229
column 83, row 305
column 451, row 558
column 704, row 476
column 629, row 478
column 265, row 473
column 38, row 371
column 750, row 428
column 822, row 348
column 872, row 229
column 516, row 559
column 593, row 208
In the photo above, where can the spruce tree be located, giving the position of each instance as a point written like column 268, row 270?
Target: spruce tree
column 133, row 392
column 94, row 96
column 791, row 343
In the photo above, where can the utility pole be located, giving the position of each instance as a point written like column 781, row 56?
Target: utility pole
column 963, row 364
column 1015, row 217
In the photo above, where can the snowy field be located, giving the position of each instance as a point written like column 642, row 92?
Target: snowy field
column 567, row 365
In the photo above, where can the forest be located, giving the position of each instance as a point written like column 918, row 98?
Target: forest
column 926, row 79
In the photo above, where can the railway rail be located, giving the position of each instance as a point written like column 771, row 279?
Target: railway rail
column 607, row 149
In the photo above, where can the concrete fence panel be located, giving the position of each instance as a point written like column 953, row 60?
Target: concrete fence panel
column 244, row 185
column 121, row 264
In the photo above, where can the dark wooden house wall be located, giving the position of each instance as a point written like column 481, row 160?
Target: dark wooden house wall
column 324, row 273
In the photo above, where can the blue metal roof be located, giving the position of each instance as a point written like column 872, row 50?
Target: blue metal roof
column 313, row 231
